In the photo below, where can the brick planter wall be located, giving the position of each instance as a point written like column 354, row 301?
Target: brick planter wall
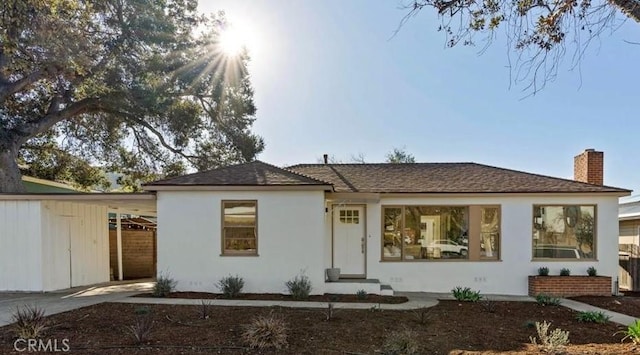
column 569, row 286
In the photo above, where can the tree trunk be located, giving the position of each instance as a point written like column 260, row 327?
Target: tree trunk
column 631, row 8
column 10, row 176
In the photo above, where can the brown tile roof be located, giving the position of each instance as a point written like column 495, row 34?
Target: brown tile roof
column 440, row 178
column 255, row 173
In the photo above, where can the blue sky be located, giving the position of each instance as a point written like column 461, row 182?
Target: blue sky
column 329, row 78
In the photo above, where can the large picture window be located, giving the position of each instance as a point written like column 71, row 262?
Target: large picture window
column 422, row 233
column 239, row 228
column 425, row 232
column 564, row 232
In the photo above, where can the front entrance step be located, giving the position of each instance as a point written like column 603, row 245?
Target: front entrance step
column 352, row 286
column 386, row 290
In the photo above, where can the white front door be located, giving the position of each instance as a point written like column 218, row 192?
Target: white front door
column 349, row 240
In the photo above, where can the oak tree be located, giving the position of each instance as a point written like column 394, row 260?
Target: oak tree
column 134, row 86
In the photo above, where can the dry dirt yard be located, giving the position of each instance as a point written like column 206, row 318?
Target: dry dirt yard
column 451, row 327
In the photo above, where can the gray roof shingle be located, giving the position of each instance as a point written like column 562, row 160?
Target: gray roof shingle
column 440, row 178
column 255, row 173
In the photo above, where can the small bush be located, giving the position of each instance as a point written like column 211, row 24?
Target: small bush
column 632, row 332
column 547, row 300
column 231, row 286
column 164, row 286
column 543, row 271
column 403, row 342
column 552, row 343
column 422, row 315
column 330, row 311
column 266, row 332
column 362, row 295
column 591, row 271
column 299, row 287
column 593, row 317
column 141, row 329
column 204, row 310
column 30, row 322
column 489, row 305
column 466, row 294
column 565, row 272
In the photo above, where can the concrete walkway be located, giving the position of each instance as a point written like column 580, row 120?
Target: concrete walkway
column 416, row 300
column 583, row 307
column 66, row 300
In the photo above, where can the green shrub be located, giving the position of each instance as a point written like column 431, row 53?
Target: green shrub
column 30, row 322
column 231, row 286
column 266, row 332
column 543, row 271
column 632, row 332
column 299, row 287
column 362, row 295
column 466, row 294
column 164, row 286
column 591, row 271
column 565, row 272
column 552, row 342
column 547, row 300
column 592, row 317
column 403, row 342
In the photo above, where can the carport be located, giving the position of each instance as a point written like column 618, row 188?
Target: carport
column 56, row 241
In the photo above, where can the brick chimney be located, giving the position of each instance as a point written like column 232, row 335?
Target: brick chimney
column 588, row 167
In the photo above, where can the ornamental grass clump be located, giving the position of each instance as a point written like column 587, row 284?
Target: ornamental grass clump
column 266, row 332
column 632, row 332
column 401, row 342
column 30, row 322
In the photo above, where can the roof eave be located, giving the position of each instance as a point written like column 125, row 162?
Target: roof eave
column 204, row 187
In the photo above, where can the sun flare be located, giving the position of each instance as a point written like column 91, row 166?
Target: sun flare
column 233, row 41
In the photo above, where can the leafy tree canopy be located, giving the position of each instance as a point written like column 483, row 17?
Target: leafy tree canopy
column 139, row 87
column 540, row 32
column 399, row 155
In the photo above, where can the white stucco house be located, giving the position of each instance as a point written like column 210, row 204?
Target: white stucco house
column 406, row 227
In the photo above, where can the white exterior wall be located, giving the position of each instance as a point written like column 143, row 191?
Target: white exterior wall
column 508, row 276
column 75, row 244
column 291, row 232
column 20, row 246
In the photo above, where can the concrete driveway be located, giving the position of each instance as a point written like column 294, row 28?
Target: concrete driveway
column 66, row 300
